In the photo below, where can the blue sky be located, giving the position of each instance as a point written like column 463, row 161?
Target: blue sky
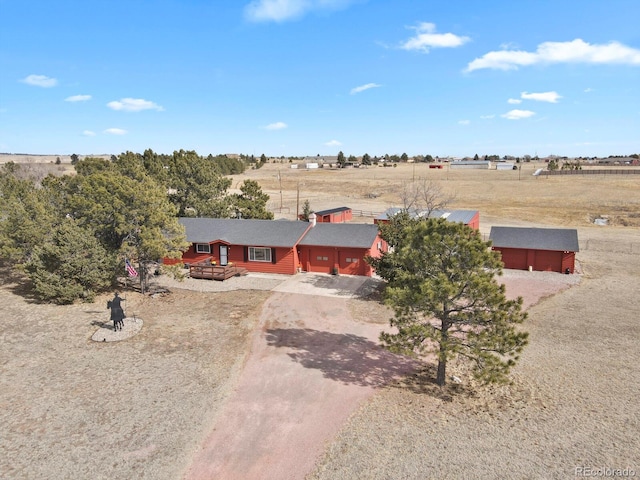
column 307, row 77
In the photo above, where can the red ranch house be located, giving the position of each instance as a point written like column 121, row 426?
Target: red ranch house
column 281, row 246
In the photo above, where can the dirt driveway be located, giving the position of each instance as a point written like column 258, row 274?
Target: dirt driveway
column 311, row 365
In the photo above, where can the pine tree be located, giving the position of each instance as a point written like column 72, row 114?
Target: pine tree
column 441, row 284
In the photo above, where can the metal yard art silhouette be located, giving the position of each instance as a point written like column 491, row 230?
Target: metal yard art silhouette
column 117, row 312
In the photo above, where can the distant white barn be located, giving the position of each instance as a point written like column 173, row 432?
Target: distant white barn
column 471, row 164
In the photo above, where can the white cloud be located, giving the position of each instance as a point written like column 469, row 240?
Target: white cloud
column 133, row 105
column 78, row 98
column 115, row 131
column 40, row 81
column 575, row 51
column 487, row 117
column 588, row 90
column 364, row 87
column 518, row 114
column 464, row 122
column 514, row 101
column 333, row 143
column 426, row 38
column 88, row 133
column 551, row 97
column 283, row 10
column 276, row 126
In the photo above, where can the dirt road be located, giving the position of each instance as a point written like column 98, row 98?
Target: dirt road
column 310, row 366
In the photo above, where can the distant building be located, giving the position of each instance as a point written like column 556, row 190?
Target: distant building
column 479, row 164
column 334, row 215
column 470, row 218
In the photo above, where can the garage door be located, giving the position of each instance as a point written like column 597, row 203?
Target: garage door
column 350, row 262
column 548, row 261
column 514, row 258
column 321, row 259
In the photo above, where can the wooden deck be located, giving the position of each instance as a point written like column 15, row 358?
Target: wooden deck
column 215, row 272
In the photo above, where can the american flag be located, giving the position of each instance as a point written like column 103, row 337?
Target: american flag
column 130, row 270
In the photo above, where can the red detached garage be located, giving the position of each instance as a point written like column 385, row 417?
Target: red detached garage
column 540, row 249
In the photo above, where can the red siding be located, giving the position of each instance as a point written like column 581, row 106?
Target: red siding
column 337, row 217
column 319, row 259
column 190, row 256
column 313, row 258
column 475, row 221
column 538, row 260
column 568, row 262
column 286, row 259
column 547, row 261
column 514, row 258
column 351, row 261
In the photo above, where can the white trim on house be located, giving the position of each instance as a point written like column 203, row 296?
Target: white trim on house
column 260, row 254
column 202, row 248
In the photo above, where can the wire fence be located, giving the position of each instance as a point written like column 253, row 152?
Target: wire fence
column 608, row 171
column 632, row 248
column 366, row 213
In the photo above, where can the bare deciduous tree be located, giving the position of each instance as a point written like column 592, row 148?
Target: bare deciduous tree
column 423, row 195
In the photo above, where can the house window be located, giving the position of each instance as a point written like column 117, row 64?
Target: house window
column 259, row 254
column 351, row 260
column 203, row 248
column 322, row 259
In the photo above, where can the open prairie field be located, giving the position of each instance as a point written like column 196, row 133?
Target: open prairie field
column 514, row 195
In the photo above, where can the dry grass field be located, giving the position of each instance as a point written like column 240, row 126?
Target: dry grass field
column 515, row 196
column 73, row 408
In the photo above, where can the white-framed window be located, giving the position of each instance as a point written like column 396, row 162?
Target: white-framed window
column 203, row 248
column 351, row 260
column 259, row 254
column 322, row 259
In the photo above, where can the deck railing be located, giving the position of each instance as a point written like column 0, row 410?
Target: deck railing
column 215, row 272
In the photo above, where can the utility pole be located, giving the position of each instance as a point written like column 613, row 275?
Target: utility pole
column 280, row 182
column 298, row 202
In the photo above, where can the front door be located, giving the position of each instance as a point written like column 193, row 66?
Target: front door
column 223, row 255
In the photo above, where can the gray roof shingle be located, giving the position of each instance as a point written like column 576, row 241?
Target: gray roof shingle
column 350, row 235
column 265, row 233
column 332, row 210
column 556, row 239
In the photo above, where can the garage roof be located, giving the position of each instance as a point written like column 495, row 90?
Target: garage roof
column 267, row 233
column 556, row 239
column 350, row 235
column 333, row 210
